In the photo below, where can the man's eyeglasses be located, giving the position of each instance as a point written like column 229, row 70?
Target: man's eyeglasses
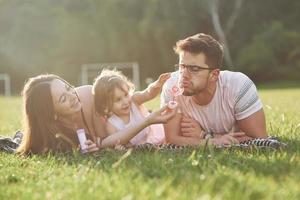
column 193, row 69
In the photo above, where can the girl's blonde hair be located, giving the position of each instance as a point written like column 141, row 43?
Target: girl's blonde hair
column 104, row 87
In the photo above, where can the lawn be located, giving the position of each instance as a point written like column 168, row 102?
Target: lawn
column 185, row 174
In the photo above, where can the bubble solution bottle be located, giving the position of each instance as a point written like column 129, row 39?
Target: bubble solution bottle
column 82, row 139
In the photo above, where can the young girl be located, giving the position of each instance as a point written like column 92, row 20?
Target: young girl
column 124, row 110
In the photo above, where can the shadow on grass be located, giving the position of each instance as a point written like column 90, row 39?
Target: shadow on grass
column 187, row 163
column 277, row 164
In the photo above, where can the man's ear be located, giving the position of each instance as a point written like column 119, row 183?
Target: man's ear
column 214, row 74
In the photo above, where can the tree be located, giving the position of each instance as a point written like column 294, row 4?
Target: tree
column 213, row 8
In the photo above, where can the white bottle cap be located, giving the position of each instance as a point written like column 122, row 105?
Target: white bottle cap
column 82, row 139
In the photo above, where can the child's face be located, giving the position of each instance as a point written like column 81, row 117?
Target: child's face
column 121, row 101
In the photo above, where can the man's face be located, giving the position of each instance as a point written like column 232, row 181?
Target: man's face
column 192, row 83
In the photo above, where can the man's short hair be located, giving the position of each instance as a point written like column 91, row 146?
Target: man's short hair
column 202, row 43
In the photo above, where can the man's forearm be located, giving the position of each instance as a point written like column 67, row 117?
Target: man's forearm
column 240, row 138
column 173, row 134
column 244, row 138
column 184, row 141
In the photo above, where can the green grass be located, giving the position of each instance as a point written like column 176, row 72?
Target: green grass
column 187, row 174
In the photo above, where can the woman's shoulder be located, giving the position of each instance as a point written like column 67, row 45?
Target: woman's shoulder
column 84, row 91
column 85, row 94
column 84, row 88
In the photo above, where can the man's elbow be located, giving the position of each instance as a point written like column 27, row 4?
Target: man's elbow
column 173, row 139
column 261, row 135
column 169, row 139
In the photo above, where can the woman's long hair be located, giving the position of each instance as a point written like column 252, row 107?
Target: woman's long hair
column 42, row 132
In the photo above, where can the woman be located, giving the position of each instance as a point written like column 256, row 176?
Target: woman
column 54, row 110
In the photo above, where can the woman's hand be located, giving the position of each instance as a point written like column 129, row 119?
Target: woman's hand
column 91, row 147
column 161, row 116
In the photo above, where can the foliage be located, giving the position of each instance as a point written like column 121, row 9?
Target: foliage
column 273, row 54
column 59, row 36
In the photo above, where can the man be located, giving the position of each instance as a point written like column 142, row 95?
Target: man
column 220, row 105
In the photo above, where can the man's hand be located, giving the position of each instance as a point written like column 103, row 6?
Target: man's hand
column 240, row 136
column 191, row 128
column 227, row 139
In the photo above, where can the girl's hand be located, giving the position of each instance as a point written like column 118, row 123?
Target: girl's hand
column 157, row 85
column 161, row 116
column 152, row 90
column 163, row 78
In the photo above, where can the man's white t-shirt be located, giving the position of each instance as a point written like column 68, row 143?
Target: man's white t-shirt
column 235, row 98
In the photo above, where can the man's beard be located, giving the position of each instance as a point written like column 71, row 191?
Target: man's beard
column 195, row 91
column 192, row 93
column 187, row 93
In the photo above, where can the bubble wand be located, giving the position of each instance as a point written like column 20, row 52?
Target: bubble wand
column 175, row 91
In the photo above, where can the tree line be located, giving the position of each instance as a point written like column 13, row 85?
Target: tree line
column 262, row 38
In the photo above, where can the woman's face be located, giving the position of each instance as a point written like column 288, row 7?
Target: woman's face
column 64, row 98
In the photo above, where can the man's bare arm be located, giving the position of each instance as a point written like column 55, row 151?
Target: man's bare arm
column 254, row 126
column 191, row 128
column 172, row 131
